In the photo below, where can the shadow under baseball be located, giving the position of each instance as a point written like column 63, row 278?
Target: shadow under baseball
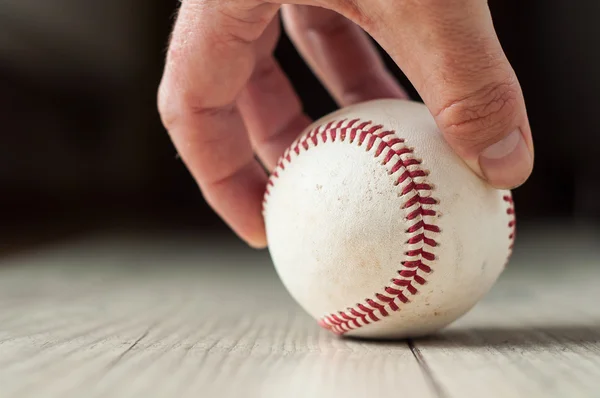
column 498, row 337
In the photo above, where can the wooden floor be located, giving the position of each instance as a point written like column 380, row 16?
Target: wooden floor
column 151, row 315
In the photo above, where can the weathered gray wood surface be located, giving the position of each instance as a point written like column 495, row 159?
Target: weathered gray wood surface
column 128, row 315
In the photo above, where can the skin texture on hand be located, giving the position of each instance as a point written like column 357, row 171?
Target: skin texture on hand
column 221, row 84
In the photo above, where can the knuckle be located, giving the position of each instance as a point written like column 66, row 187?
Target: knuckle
column 177, row 107
column 184, row 95
column 483, row 114
column 167, row 112
column 243, row 28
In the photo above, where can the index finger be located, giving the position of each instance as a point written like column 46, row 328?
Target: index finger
column 206, row 67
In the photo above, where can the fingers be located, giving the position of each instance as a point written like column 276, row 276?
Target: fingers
column 271, row 108
column 340, row 54
column 272, row 111
column 450, row 52
column 211, row 57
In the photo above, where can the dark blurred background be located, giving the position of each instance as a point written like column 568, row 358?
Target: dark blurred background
column 82, row 144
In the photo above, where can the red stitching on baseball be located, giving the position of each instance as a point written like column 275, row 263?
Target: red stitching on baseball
column 512, row 224
column 361, row 132
column 418, row 193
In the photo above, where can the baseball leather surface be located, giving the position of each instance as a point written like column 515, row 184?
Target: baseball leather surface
column 378, row 229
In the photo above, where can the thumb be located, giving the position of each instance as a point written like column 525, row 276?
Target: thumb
column 450, row 52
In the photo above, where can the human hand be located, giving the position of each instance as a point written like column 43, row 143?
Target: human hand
column 223, row 97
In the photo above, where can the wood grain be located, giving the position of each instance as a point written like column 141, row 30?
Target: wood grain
column 142, row 315
column 537, row 334
column 129, row 317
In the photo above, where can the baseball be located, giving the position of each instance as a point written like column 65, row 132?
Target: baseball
column 378, row 229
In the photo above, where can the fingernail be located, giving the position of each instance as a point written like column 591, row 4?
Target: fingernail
column 257, row 246
column 259, row 243
column 507, row 163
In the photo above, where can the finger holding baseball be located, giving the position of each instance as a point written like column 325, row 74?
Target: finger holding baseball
column 450, row 52
column 213, row 55
column 340, row 54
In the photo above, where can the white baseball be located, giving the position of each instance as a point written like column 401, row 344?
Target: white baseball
column 378, row 229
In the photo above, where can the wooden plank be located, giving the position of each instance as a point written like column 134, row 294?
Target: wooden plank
column 537, row 334
column 150, row 316
column 156, row 316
